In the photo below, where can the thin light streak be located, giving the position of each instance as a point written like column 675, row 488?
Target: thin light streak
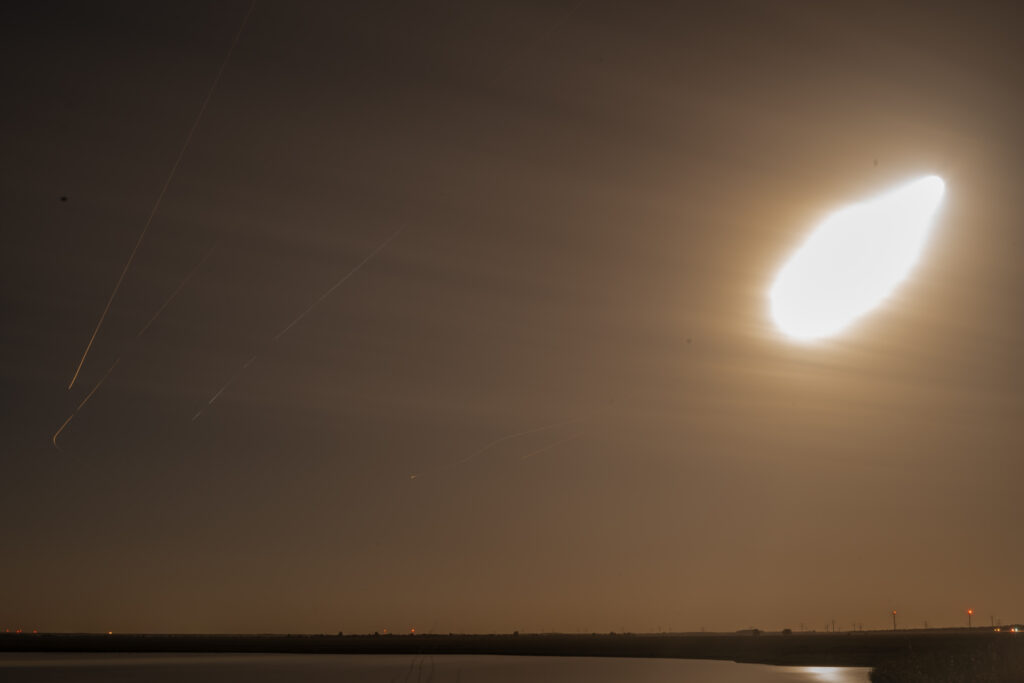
column 337, row 284
column 137, row 336
column 551, row 445
column 177, row 290
column 61, row 429
column 163, row 191
column 231, row 380
column 355, row 269
column 84, row 401
column 102, row 380
column 516, row 435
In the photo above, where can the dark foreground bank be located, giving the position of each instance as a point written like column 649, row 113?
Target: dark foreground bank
column 979, row 656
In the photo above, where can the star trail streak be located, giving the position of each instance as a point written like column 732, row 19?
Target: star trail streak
column 160, row 196
column 355, row 269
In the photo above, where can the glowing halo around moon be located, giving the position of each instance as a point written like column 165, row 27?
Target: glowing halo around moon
column 854, row 260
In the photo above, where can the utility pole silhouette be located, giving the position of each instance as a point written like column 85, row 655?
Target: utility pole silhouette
column 970, row 613
column 894, row 620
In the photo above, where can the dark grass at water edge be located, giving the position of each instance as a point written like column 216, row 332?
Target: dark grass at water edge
column 891, row 653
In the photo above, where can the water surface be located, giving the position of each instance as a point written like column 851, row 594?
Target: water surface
column 268, row 668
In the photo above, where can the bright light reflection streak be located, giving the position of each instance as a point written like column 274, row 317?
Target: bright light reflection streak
column 854, row 260
column 830, row 674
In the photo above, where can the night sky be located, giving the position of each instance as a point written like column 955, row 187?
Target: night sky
column 555, row 400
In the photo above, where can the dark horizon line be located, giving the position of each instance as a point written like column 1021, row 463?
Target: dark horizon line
column 864, row 649
column 499, row 634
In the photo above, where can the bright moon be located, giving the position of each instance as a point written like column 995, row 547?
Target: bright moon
column 854, row 260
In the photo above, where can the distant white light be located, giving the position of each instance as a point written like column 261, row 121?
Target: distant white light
column 854, row 260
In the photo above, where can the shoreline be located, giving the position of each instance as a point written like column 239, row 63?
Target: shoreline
column 859, row 649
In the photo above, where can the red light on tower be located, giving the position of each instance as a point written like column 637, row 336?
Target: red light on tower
column 970, row 613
